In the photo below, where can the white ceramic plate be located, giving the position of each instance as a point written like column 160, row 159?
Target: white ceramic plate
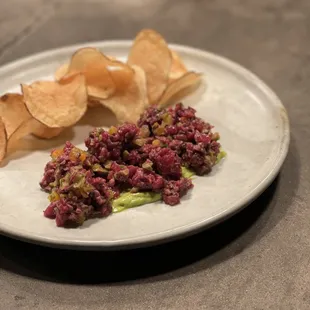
column 254, row 132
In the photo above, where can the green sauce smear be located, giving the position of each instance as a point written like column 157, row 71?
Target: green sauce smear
column 128, row 200
column 187, row 173
column 220, row 156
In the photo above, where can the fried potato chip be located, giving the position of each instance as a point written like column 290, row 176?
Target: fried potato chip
column 61, row 71
column 18, row 121
column 88, row 55
column 24, row 129
column 177, row 67
column 93, row 64
column 150, row 52
column 122, row 75
column 180, row 88
column 93, row 102
column 34, row 127
column 44, row 132
column 128, row 106
column 13, row 112
column 111, row 57
column 99, row 81
column 3, row 140
column 57, row 104
column 83, row 57
column 69, row 78
column 104, row 76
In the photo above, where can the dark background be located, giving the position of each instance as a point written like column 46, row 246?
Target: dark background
column 258, row 259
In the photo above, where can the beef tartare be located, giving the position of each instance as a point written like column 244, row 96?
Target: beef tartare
column 130, row 165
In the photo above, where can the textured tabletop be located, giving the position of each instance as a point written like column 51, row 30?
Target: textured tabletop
column 260, row 258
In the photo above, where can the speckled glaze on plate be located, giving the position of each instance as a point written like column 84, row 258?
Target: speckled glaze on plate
column 254, row 130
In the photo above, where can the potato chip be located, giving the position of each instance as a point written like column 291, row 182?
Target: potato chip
column 104, row 76
column 99, row 81
column 150, row 52
column 61, row 71
column 180, row 88
column 13, row 112
column 57, row 104
column 111, row 57
column 122, row 75
column 128, row 106
column 92, row 64
column 34, row 127
column 24, row 129
column 69, row 78
column 83, row 57
column 18, row 121
column 177, row 67
column 93, row 102
column 45, row 132
column 3, row 140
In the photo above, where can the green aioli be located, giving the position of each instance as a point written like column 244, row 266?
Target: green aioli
column 220, row 156
column 129, row 200
column 187, row 173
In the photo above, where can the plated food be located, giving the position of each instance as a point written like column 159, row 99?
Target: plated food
column 130, row 165
column 236, row 102
column 149, row 157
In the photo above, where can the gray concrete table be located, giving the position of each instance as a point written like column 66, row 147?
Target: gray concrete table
column 259, row 259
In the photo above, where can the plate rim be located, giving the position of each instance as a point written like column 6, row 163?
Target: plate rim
column 185, row 230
